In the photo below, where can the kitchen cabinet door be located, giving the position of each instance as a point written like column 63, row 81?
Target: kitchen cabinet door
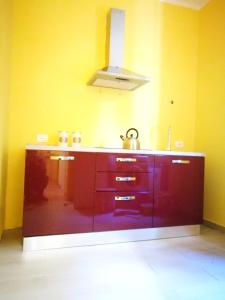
column 58, row 192
column 178, row 190
column 122, row 210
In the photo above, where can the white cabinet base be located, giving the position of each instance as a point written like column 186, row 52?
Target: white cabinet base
column 107, row 237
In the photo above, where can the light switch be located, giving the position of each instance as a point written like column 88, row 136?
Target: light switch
column 179, row 144
column 41, row 137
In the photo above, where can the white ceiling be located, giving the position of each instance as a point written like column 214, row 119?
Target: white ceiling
column 195, row 4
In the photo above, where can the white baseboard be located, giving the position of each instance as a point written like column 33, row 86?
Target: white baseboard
column 107, row 237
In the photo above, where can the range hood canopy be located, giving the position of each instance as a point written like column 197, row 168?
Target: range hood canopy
column 114, row 76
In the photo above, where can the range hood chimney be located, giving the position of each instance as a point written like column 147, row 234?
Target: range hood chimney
column 114, row 76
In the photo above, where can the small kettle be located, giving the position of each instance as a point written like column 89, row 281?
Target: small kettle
column 131, row 140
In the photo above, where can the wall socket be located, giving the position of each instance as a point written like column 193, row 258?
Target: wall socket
column 179, row 144
column 42, row 137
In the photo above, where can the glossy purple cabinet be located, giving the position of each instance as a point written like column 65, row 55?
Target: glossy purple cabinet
column 58, row 193
column 78, row 192
column 178, row 190
column 124, row 191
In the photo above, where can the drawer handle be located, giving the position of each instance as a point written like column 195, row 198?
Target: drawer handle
column 126, row 159
column 61, row 157
column 180, row 161
column 126, row 198
column 125, row 178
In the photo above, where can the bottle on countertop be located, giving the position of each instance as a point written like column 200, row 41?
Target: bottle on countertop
column 63, row 138
column 76, row 139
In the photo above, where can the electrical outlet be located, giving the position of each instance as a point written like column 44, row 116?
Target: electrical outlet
column 179, row 144
column 42, row 137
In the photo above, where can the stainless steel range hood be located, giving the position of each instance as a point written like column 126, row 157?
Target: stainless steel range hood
column 114, row 76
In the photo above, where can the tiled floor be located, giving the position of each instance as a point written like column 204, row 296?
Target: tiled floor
column 190, row 268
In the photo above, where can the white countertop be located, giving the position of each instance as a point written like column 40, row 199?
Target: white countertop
column 111, row 150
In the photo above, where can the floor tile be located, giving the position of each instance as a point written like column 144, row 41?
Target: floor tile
column 189, row 268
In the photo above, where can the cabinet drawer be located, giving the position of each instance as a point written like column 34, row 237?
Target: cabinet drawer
column 124, row 181
column 122, row 210
column 124, row 162
column 178, row 161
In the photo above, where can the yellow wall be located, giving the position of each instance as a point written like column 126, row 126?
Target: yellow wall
column 178, row 75
column 210, row 134
column 58, row 44
column 4, row 97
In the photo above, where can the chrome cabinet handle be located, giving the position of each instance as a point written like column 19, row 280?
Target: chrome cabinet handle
column 126, row 159
column 180, row 161
column 126, row 198
column 125, row 178
column 61, row 157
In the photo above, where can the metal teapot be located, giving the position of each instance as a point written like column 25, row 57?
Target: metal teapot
column 131, row 140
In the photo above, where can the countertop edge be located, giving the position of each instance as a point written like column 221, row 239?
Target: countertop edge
column 111, row 150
